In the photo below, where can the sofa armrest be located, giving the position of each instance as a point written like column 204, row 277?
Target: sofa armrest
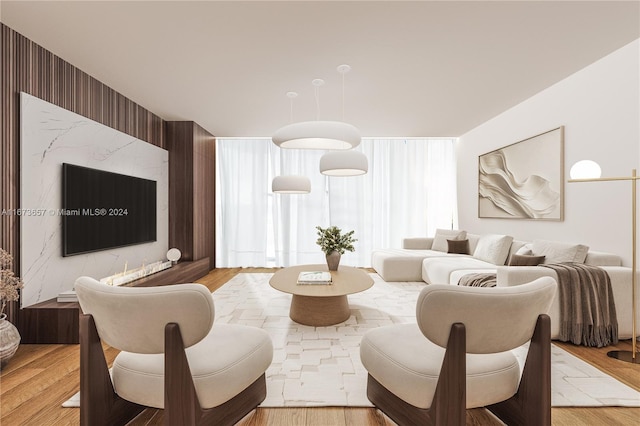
column 417, row 243
column 508, row 276
column 598, row 258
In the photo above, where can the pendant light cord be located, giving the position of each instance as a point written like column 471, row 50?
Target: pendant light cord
column 317, row 94
column 291, row 96
column 343, row 96
column 343, row 69
column 316, row 85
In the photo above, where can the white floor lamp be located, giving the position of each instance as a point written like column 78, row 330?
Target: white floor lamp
column 589, row 171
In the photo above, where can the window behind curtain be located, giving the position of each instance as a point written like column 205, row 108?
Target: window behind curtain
column 410, row 190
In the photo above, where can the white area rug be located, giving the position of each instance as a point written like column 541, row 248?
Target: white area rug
column 320, row 366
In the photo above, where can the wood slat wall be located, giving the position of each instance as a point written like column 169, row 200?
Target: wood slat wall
column 28, row 67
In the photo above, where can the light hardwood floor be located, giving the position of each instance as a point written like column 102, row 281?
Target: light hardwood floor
column 41, row 377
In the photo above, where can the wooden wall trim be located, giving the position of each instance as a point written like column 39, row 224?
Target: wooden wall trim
column 28, row 67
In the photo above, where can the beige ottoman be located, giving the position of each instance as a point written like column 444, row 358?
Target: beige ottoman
column 398, row 264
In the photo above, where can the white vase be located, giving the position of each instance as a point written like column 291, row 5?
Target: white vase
column 9, row 340
column 333, row 260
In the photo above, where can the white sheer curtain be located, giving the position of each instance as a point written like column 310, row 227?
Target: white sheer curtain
column 410, row 190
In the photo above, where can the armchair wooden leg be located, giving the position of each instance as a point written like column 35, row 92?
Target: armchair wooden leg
column 449, row 400
column 531, row 405
column 99, row 404
column 181, row 400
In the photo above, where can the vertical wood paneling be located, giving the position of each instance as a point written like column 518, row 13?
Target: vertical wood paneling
column 181, row 213
column 204, row 194
column 27, row 67
column 191, row 190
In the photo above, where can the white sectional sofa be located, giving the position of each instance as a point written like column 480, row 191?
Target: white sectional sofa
column 419, row 260
column 406, row 264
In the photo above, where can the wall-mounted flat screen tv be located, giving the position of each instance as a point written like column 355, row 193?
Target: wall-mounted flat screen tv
column 103, row 210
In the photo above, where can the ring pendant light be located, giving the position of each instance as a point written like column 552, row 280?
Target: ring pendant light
column 318, row 134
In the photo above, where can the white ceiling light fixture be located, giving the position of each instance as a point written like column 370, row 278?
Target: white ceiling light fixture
column 344, row 163
column 291, row 184
column 319, row 134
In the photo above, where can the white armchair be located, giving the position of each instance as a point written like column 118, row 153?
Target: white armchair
column 172, row 356
column 458, row 356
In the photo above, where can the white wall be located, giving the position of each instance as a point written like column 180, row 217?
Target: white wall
column 600, row 109
column 50, row 136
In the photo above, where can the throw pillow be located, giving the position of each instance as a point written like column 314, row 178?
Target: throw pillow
column 442, row 235
column 556, row 252
column 525, row 249
column 493, row 248
column 525, row 260
column 458, row 246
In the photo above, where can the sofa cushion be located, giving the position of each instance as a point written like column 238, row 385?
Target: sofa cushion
column 224, row 363
column 458, row 246
column 454, row 278
column 557, row 252
column 525, row 260
column 473, row 241
column 417, row 243
column 493, row 248
column 525, row 250
column 437, row 270
column 405, row 362
column 442, row 235
column 402, row 264
column 599, row 258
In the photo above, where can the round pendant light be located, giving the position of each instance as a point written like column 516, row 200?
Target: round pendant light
column 291, row 184
column 317, row 135
column 344, row 163
column 337, row 135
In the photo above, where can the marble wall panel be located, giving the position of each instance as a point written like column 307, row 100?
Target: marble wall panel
column 50, row 136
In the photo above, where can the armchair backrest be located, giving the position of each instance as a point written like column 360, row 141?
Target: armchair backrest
column 133, row 319
column 496, row 319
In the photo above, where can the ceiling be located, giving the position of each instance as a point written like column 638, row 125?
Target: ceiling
column 419, row 68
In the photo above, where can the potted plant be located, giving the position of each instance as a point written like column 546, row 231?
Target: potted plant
column 9, row 286
column 333, row 243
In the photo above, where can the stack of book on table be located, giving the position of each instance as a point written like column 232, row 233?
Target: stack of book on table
column 67, row 297
column 314, row 277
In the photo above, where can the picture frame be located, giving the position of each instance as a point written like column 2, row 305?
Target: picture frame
column 524, row 180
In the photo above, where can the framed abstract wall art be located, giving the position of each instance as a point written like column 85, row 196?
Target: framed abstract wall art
column 524, row 180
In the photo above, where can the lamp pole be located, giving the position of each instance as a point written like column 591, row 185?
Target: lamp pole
column 627, row 356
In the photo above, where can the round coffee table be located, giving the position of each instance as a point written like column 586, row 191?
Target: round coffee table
column 320, row 304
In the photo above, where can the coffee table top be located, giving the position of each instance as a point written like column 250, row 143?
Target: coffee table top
column 346, row 280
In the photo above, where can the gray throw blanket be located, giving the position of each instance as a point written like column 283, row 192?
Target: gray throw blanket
column 478, row 280
column 587, row 310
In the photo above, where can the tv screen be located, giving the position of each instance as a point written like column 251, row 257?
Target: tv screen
column 103, row 210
